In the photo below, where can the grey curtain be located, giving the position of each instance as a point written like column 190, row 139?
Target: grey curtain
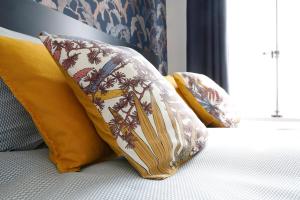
column 206, row 39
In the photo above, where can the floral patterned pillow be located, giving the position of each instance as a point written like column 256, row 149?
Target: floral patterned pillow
column 208, row 99
column 132, row 106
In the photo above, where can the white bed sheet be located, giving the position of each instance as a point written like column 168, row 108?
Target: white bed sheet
column 245, row 163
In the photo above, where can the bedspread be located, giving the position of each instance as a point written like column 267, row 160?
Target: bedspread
column 236, row 164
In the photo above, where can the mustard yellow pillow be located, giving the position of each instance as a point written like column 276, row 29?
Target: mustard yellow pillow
column 211, row 102
column 132, row 106
column 35, row 80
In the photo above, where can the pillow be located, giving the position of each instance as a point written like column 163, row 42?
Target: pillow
column 17, row 130
column 172, row 81
column 132, row 106
column 211, row 103
column 34, row 79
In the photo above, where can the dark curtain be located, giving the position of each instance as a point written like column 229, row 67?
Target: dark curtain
column 206, row 39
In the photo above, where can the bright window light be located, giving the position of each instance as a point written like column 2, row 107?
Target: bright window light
column 251, row 32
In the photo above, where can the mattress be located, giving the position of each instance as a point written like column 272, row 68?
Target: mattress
column 236, row 164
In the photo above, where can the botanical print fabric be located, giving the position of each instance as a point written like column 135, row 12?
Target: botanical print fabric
column 141, row 23
column 147, row 121
column 211, row 97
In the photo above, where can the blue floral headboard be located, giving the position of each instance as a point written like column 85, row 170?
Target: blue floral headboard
column 139, row 22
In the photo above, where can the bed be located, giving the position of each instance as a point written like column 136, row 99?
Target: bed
column 240, row 163
column 249, row 162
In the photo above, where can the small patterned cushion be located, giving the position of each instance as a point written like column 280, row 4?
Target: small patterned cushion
column 17, row 130
column 135, row 110
column 211, row 102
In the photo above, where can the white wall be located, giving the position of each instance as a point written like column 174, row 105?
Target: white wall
column 176, row 35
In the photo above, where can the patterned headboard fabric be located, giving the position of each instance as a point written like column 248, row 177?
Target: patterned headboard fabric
column 31, row 18
column 141, row 23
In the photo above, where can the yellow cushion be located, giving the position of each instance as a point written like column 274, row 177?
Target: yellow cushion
column 35, row 80
column 209, row 101
column 132, row 106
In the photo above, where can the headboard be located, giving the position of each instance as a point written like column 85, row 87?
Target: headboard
column 28, row 17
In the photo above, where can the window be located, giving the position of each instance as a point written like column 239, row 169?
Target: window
column 251, row 30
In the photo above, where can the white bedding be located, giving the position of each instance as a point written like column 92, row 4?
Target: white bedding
column 236, row 164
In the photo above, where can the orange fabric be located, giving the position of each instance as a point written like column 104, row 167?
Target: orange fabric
column 35, row 80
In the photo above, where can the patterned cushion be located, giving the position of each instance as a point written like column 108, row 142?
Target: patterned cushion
column 135, row 110
column 212, row 104
column 17, row 130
